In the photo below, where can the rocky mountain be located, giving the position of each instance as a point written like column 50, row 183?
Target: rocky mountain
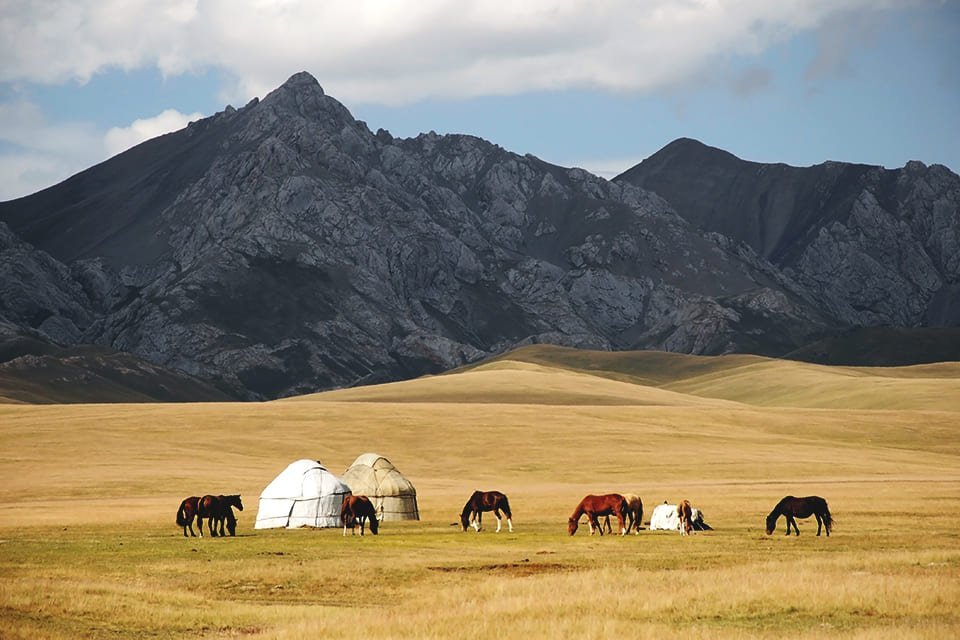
column 870, row 246
column 37, row 371
column 283, row 248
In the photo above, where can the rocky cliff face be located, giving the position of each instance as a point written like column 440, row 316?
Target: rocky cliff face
column 284, row 248
column 871, row 246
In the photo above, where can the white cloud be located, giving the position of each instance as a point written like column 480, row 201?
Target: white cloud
column 36, row 153
column 388, row 51
column 119, row 139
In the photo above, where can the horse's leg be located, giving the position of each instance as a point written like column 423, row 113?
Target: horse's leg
column 510, row 524
column 620, row 520
column 496, row 514
column 819, row 522
column 478, row 522
column 791, row 520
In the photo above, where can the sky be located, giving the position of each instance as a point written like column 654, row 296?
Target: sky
column 599, row 84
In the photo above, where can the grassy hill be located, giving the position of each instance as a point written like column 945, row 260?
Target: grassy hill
column 89, row 548
column 747, row 379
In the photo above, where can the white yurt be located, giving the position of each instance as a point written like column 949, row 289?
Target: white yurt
column 392, row 494
column 665, row 518
column 305, row 494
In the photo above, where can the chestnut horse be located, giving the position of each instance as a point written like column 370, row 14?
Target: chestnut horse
column 685, row 513
column 594, row 507
column 791, row 507
column 186, row 513
column 357, row 510
column 481, row 501
column 217, row 510
column 634, row 514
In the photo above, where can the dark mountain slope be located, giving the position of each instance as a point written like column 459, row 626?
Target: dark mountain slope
column 284, row 248
column 34, row 370
column 872, row 246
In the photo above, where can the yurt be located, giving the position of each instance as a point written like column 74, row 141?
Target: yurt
column 305, row 494
column 665, row 518
column 392, row 494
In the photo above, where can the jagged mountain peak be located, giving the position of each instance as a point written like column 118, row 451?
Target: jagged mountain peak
column 301, row 80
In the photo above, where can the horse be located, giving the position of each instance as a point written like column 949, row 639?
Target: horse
column 216, row 509
column 685, row 513
column 358, row 509
column 595, row 506
column 634, row 514
column 186, row 513
column 791, row 507
column 481, row 501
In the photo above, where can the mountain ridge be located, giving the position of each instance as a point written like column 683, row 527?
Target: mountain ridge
column 283, row 248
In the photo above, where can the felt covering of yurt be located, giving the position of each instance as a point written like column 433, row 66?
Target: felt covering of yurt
column 392, row 494
column 305, row 494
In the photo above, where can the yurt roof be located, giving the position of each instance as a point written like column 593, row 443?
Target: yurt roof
column 373, row 474
column 304, row 479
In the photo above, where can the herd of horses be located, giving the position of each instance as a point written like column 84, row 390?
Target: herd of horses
column 358, row 511
column 217, row 510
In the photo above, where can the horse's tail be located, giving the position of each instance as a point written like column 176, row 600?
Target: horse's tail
column 182, row 514
column 639, row 519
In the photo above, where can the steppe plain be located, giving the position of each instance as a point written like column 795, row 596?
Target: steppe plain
column 88, row 492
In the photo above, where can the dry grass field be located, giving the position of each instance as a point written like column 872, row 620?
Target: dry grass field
column 88, row 493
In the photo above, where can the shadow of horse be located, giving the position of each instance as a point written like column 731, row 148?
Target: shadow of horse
column 790, row 507
column 358, row 510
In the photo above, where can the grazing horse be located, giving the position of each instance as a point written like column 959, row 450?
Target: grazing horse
column 594, row 507
column 186, row 513
column 357, row 510
column 216, row 509
column 791, row 507
column 685, row 513
column 481, row 501
column 634, row 514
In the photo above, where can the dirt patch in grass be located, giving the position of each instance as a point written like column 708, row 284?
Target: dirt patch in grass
column 518, row 569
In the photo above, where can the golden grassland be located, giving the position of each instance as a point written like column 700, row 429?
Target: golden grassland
column 89, row 548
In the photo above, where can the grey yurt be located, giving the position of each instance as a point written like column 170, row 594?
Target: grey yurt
column 392, row 494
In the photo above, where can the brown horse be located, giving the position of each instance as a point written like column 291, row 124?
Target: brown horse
column 217, row 510
column 357, row 510
column 481, row 501
column 791, row 507
column 186, row 513
column 634, row 514
column 685, row 513
column 594, row 507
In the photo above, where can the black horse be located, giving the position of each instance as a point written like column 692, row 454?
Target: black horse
column 791, row 507
column 217, row 510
